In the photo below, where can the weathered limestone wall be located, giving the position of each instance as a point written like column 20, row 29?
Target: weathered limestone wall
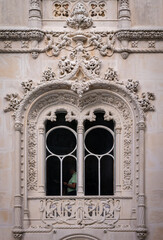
column 13, row 13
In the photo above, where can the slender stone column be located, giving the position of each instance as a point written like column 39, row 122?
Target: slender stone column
column 18, row 198
column 35, row 13
column 141, row 197
column 124, row 14
column 118, row 159
column 80, row 158
column 41, row 159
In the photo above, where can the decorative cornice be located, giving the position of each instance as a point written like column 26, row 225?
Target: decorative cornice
column 139, row 34
column 106, row 43
column 21, row 34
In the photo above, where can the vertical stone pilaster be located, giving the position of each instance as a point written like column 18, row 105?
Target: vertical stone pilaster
column 118, row 159
column 41, row 159
column 141, row 197
column 18, row 197
column 35, row 14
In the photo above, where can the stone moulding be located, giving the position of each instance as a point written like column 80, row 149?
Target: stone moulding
column 96, row 39
column 21, row 34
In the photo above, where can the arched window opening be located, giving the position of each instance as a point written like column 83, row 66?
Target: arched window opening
column 99, row 156
column 61, row 144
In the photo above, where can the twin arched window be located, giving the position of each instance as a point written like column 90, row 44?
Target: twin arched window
column 61, row 155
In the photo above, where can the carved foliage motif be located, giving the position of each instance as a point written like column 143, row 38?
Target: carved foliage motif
column 145, row 103
column 80, row 87
column 80, row 212
column 27, row 86
column 14, row 101
column 93, row 65
column 66, row 66
column 32, row 166
column 79, row 18
column 48, row 75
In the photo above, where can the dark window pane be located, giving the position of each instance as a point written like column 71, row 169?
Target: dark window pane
column 91, row 175
column 53, row 176
column 99, row 141
column 69, row 163
column 61, row 141
column 106, row 171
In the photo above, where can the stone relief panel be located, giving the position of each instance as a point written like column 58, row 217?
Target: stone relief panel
column 80, row 212
column 96, row 9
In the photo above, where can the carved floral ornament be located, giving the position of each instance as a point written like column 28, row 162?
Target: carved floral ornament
column 91, row 79
column 81, row 34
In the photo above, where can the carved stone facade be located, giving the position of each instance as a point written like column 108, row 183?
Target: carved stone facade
column 80, row 57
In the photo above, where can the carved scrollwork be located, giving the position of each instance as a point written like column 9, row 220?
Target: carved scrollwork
column 54, row 49
column 80, row 212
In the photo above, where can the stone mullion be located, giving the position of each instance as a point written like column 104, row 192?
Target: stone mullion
column 80, row 159
column 41, row 159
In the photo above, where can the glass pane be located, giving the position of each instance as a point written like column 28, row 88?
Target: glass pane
column 69, row 171
column 53, row 176
column 61, row 141
column 99, row 141
column 91, row 175
column 106, row 171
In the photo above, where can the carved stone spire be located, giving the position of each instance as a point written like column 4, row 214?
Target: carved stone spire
column 124, row 14
column 79, row 18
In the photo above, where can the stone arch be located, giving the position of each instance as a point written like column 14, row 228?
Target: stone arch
column 79, row 237
column 124, row 108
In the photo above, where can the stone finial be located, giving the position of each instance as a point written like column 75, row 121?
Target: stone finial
column 79, row 18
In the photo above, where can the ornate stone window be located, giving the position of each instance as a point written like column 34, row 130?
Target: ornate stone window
column 80, row 91
column 122, row 111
